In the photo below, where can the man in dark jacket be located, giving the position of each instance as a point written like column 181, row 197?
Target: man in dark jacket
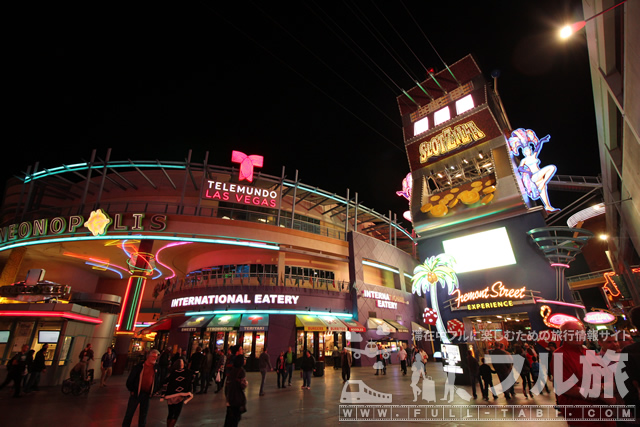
column 37, row 368
column 195, row 365
column 485, row 373
column 474, row 373
column 140, row 385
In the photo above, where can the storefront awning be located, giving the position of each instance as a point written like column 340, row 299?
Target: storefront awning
column 417, row 327
column 333, row 324
column 224, row 322
column 353, row 325
column 399, row 327
column 310, row 323
column 380, row 325
column 195, row 323
column 254, row 322
column 160, row 325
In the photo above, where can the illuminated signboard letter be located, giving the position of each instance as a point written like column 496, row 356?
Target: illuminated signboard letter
column 450, row 139
column 247, row 163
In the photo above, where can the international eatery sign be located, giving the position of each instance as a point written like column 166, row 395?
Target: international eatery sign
column 235, row 299
column 245, row 194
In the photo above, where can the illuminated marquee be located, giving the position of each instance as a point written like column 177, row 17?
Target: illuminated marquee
column 599, row 318
column 98, row 224
column 497, row 290
column 238, row 193
column 450, row 139
column 235, row 299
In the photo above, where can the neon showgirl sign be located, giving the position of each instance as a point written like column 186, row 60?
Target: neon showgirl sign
column 533, row 177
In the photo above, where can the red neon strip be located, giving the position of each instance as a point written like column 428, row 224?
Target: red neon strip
column 63, row 314
column 124, row 305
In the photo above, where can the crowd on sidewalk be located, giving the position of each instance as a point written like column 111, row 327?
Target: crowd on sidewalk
column 175, row 377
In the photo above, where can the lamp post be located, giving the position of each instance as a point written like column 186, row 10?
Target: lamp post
column 568, row 30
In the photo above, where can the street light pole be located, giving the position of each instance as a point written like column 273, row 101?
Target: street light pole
column 568, row 30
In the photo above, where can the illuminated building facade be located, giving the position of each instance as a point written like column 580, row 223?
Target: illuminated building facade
column 613, row 42
column 475, row 186
column 201, row 255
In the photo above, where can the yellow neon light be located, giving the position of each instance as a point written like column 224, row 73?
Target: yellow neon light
column 450, row 139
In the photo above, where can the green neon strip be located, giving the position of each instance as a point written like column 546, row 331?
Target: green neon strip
column 451, row 72
column 424, row 90
column 409, row 96
column 296, row 312
column 256, row 244
column 85, row 166
column 134, row 304
column 434, row 79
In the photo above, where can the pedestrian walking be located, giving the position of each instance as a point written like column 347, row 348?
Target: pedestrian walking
column 336, row 357
column 106, row 366
column 346, row 361
column 179, row 385
column 205, row 371
column 281, row 370
column 504, row 370
column 485, row 373
column 264, row 363
column 381, row 363
column 474, row 373
column 221, row 369
column 288, row 360
column 86, row 355
column 235, row 385
column 308, row 367
column 37, row 368
column 26, row 378
column 17, row 367
column 140, row 385
column 195, row 365
column 164, row 363
column 402, row 355
column 525, row 371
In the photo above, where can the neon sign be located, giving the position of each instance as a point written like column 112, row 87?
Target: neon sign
column 244, row 194
column 407, row 189
column 555, row 320
column 235, row 299
column 497, row 290
column 533, row 177
column 247, row 163
column 98, row 224
column 599, row 318
column 450, row 139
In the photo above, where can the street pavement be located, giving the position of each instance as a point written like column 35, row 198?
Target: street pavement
column 292, row 406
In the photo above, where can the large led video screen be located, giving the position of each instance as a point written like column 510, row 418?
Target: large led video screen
column 480, row 251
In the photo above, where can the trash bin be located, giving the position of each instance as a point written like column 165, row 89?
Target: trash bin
column 319, row 369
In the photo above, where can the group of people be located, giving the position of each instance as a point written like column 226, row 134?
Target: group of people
column 24, row 370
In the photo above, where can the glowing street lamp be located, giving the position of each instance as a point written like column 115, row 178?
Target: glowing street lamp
column 568, row 30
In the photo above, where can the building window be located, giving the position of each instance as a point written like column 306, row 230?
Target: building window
column 441, row 116
column 420, row 126
column 464, row 104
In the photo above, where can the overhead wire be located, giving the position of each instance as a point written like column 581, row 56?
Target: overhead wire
column 408, row 47
column 430, row 44
column 385, row 47
column 303, row 77
column 325, row 64
column 352, row 49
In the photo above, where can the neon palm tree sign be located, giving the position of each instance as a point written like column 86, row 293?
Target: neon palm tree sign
column 434, row 270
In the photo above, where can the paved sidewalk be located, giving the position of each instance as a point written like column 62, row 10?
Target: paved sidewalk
column 105, row 407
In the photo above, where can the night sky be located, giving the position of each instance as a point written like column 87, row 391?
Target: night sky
column 309, row 85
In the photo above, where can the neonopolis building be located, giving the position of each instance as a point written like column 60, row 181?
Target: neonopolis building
column 183, row 254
